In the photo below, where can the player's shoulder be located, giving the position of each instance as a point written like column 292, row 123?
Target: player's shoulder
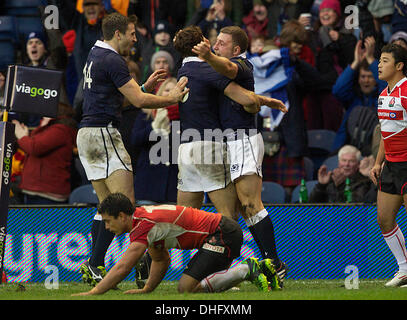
column 403, row 88
column 384, row 92
column 105, row 56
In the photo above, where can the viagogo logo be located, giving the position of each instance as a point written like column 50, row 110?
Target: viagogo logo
column 34, row 91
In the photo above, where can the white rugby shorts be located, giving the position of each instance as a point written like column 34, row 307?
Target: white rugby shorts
column 101, row 151
column 245, row 154
column 202, row 166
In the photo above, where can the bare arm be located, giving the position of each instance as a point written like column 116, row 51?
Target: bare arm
column 160, row 262
column 131, row 90
column 220, row 64
column 120, row 270
column 377, row 167
column 272, row 103
column 248, row 99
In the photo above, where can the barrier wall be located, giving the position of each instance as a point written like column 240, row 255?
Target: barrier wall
column 316, row 242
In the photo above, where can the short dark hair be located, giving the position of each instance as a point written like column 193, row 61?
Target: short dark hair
column 239, row 37
column 399, row 54
column 115, row 203
column 112, row 22
column 185, row 39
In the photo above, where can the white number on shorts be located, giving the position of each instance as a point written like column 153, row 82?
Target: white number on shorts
column 150, row 209
column 87, row 79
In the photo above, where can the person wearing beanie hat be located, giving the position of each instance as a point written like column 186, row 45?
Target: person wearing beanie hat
column 330, row 12
column 161, row 41
column 162, row 60
column 400, row 38
column 36, row 47
column 162, row 33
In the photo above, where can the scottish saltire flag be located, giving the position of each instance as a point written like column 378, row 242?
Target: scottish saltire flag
column 272, row 72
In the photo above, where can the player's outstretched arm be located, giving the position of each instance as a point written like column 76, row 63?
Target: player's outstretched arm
column 272, row 103
column 159, row 265
column 132, row 91
column 119, row 271
column 221, row 65
column 248, row 99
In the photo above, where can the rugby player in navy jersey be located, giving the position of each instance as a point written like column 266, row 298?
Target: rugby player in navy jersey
column 100, row 147
column 201, row 112
column 202, row 159
column 245, row 145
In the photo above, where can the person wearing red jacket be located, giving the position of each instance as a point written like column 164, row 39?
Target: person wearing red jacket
column 47, row 166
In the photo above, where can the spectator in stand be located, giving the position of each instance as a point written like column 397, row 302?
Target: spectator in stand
column 234, row 9
column 400, row 38
column 216, row 18
column 88, row 28
column 257, row 45
column 153, row 128
column 255, row 23
column 162, row 60
column 333, row 46
column 358, row 85
column 162, row 41
column 382, row 12
column 71, row 76
column 48, row 158
column 399, row 17
column 331, row 184
column 152, row 12
column 285, row 164
column 332, row 40
column 294, row 36
column 45, row 51
column 281, row 11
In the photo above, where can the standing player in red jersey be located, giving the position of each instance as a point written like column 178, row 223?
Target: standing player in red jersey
column 158, row 228
column 390, row 170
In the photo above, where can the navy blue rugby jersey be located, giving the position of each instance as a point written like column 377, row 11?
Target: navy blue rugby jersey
column 201, row 110
column 232, row 115
column 105, row 71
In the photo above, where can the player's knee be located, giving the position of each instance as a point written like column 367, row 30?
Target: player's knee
column 184, row 288
column 248, row 207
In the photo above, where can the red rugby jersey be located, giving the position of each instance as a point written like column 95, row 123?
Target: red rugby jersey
column 392, row 113
column 172, row 226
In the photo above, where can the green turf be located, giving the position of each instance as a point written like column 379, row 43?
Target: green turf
column 293, row 290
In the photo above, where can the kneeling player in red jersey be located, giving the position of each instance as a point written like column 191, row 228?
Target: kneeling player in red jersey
column 157, row 228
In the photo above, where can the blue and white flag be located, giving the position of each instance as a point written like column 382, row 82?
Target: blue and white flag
column 272, row 72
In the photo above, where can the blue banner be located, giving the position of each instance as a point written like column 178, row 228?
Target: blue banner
column 316, row 242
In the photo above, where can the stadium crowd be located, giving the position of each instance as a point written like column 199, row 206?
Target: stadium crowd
column 329, row 83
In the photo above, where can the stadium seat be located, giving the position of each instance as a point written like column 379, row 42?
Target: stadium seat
column 26, row 25
column 8, row 28
column 296, row 192
column 309, row 169
column 7, row 54
column 321, row 139
column 81, row 171
column 83, row 194
column 331, row 162
column 272, row 192
column 320, row 143
column 23, row 7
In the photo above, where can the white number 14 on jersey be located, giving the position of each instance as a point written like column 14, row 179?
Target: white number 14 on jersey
column 87, row 79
